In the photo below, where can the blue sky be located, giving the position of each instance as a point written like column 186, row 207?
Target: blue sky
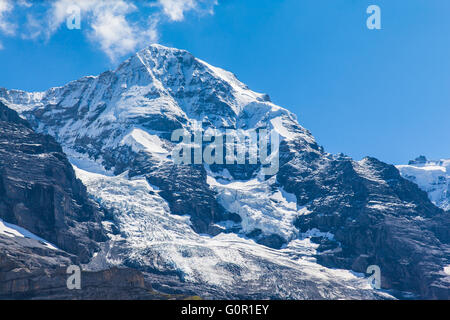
column 383, row 93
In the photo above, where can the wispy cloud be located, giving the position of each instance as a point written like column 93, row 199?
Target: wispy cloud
column 117, row 26
column 107, row 22
column 24, row 3
column 6, row 27
column 175, row 9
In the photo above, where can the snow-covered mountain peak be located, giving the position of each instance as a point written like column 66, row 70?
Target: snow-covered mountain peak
column 432, row 177
column 182, row 75
column 157, row 91
column 159, row 72
column 230, row 225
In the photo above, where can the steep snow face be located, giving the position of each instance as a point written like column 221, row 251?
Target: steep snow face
column 159, row 240
column 432, row 177
column 107, row 124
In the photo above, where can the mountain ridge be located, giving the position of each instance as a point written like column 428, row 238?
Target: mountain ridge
column 318, row 207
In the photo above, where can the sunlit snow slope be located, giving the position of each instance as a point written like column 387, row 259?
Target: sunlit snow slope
column 432, row 177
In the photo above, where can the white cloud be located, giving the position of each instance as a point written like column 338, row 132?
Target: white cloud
column 175, row 9
column 115, row 25
column 24, row 3
column 108, row 24
column 116, row 35
column 6, row 27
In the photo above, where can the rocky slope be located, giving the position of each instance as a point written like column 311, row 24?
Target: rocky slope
column 229, row 230
column 30, row 270
column 40, row 192
column 47, row 223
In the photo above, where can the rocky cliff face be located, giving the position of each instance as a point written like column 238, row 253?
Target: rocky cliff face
column 228, row 227
column 40, row 192
column 30, row 270
column 378, row 218
column 47, row 223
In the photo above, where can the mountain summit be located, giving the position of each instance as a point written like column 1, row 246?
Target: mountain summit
column 226, row 230
column 432, row 177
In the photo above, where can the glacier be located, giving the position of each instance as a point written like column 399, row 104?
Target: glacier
column 228, row 262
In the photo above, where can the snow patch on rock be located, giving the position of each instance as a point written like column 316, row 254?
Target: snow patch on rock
column 11, row 231
column 260, row 204
column 139, row 140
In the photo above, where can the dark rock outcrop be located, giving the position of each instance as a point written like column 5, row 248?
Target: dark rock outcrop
column 377, row 218
column 40, row 192
column 29, row 270
column 185, row 189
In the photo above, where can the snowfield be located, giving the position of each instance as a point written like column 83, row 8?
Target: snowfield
column 432, row 177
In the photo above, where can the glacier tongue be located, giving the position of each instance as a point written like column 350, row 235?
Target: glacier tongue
column 260, row 204
column 158, row 240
